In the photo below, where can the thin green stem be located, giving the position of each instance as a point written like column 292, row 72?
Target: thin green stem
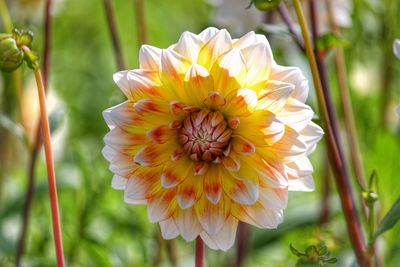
column 340, row 171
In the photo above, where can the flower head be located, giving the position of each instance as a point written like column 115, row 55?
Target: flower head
column 213, row 132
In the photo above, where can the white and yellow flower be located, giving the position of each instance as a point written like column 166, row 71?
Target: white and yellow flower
column 213, row 132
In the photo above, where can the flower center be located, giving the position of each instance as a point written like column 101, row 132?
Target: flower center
column 205, row 135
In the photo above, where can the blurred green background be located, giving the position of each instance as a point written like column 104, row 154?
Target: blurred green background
column 99, row 229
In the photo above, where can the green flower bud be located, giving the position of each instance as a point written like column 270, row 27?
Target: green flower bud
column 266, row 5
column 11, row 56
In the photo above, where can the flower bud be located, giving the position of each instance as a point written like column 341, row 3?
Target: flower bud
column 266, row 5
column 11, row 56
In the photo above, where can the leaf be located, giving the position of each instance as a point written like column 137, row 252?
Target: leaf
column 390, row 219
column 296, row 251
column 330, row 40
column 14, row 128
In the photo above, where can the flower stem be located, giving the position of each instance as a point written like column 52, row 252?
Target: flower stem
column 5, row 15
column 114, row 34
column 140, row 21
column 285, row 15
column 50, row 169
column 341, row 175
column 199, row 252
column 35, row 147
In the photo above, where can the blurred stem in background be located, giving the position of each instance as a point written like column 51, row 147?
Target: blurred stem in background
column 140, row 16
column 389, row 16
column 325, row 192
column 285, row 15
column 243, row 238
column 35, row 147
column 114, row 35
column 336, row 156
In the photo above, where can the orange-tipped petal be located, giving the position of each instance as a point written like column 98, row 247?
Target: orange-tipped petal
column 162, row 205
column 211, row 216
column 190, row 191
column 213, row 184
column 175, row 172
column 242, row 146
column 257, row 215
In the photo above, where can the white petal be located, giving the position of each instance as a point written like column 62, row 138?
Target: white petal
column 258, row 216
column 258, row 59
column 208, row 33
column 136, row 190
column 226, row 237
column 149, row 57
column 211, row 216
column 295, row 114
column 189, row 46
column 270, row 198
column 208, row 240
column 187, row 223
column 119, row 182
column 246, row 40
column 305, row 184
column 168, row 229
column 274, row 96
column 161, row 207
column 311, row 135
column 249, row 96
column 292, row 75
column 214, row 48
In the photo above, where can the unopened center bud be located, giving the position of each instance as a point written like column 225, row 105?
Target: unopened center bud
column 205, row 135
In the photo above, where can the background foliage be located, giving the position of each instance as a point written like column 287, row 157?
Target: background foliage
column 99, row 229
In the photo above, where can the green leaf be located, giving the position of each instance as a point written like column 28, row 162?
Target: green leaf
column 330, row 40
column 14, row 128
column 296, row 252
column 390, row 219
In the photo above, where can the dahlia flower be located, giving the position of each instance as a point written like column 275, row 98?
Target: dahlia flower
column 213, row 132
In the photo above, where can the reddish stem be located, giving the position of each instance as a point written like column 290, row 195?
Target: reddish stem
column 114, row 34
column 199, row 252
column 55, row 215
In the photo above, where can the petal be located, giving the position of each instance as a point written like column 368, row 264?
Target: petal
column 274, row 198
column 175, row 172
column 208, row 240
column 272, row 174
column 153, row 154
column 229, row 72
column 189, row 46
column 160, row 134
column 119, row 182
column 294, row 76
column 304, row 184
column 211, row 216
column 213, row 184
column 208, row 33
column 173, row 69
column 124, row 142
column 149, row 57
column 295, row 114
column 225, row 238
column 162, row 205
column 190, row 190
column 138, row 84
column 240, row 103
column 290, row 147
column 214, row 48
column 274, row 96
column 168, row 229
column 261, row 128
column 243, row 191
column 258, row 59
column 187, row 223
column 198, row 83
column 139, row 184
column 257, row 215
column 245, row 41
column 311, row 135
column 242, row 146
